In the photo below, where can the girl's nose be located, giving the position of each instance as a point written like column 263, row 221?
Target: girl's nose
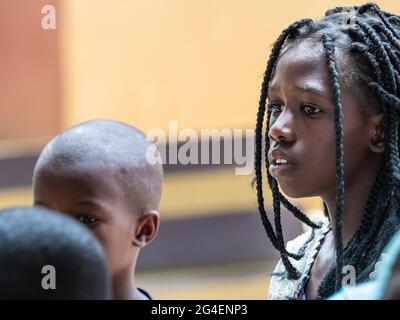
column 282, row 128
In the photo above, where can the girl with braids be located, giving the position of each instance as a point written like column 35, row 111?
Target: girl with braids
column 331, row 97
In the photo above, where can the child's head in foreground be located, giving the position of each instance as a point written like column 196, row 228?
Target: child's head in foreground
column 333, row 92
column 47, row 255
column 98, row 173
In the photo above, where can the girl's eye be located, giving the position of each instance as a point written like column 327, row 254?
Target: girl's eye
column 310, row 110
column 275, row 108
column 87, row 219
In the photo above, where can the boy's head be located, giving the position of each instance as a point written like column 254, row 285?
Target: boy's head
column 47, row 255
column 98, row 173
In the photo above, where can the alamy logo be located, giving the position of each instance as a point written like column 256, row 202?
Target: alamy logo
column 349, row 17
column 349, row 278
column 49, row 20
column 49, row 280
column 202, row 148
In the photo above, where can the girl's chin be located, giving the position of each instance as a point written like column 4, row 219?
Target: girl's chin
column 293, row 192
column 294, row 195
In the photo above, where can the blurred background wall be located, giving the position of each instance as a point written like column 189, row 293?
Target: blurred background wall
column 199, row 63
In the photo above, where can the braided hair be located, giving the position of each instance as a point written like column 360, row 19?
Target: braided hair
column 371, row 38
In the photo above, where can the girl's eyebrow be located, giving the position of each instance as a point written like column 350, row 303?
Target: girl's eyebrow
column 304, row 88
column 273, row 88
column 313, row 90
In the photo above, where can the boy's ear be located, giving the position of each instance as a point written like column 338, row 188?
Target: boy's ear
column 377, row 134
column 146, row 228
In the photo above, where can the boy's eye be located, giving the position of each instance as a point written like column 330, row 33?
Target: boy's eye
column 87, row 219
column 311, row 110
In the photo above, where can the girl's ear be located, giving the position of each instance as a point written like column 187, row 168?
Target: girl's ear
column 146, row 228
column 377, row 134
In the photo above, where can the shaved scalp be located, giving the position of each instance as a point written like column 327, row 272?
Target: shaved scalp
column 108, row 144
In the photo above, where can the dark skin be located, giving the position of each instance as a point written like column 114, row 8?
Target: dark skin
column 91, row 194
column 302, row 126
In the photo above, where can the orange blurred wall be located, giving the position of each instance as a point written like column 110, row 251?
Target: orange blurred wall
column 29, row 71
column 197, row 62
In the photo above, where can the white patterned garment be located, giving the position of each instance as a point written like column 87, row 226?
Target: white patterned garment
column 281, row 288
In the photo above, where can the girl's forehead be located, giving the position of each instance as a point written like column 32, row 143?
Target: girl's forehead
column 310, row 52
column 308, row 47
column 302, row 68
column 301, row 61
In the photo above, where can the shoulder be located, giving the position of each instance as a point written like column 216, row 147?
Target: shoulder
column 306, row 239
column 307, row 245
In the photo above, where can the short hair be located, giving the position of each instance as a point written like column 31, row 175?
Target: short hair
column 32, row 238
column 112, row 144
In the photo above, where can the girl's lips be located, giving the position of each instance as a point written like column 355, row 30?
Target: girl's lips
column 281, row 169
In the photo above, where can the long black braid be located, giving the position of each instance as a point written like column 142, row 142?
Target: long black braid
column 330, row 53
column 276, row 239
column 373, row 42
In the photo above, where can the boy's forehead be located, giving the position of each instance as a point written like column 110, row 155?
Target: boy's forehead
column 91, row 175
column 92, row 168
column 76, row 184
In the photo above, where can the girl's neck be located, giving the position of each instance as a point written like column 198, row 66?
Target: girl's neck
column 352, row 216
column 356, row 196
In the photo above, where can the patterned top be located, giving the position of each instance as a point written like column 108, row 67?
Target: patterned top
column 308, row 243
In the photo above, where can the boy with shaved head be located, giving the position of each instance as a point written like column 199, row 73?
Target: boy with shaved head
column 98, row 173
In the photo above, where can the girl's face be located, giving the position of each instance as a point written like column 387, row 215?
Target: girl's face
column 302, row 124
